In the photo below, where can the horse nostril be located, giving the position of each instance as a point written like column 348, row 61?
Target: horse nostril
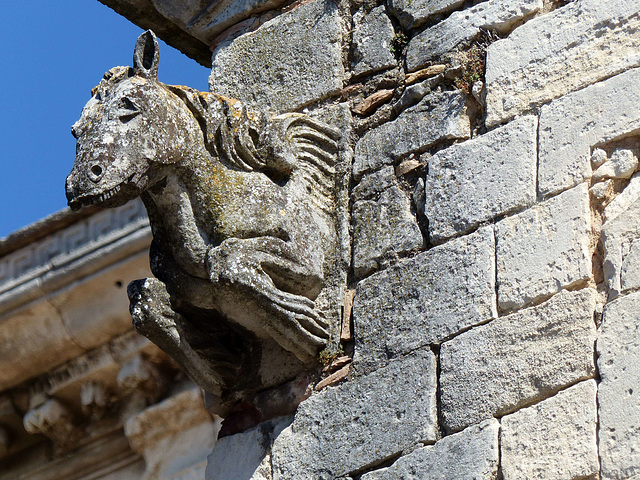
column 96, row 172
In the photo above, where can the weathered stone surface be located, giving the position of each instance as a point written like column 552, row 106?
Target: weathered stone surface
column 624, row 200
column 414, row 93
column 475, row 181
column 365, row 420
column 570, row 126
column 461, row 27
column 544, row 249
column 174, row 436
column 493, row 369
column 620, row 232
column 468, row 455
column 246, row 455
column 425, row 299
column 622, row 164
column 413, row 13
column 618, row 350
column 554, row 439
column 372, row 35
column 630, row 274
column 383, row 225
column 204, row 20
column 598, row 157
column 439, row 116
column 288, row 62
column 562, row 51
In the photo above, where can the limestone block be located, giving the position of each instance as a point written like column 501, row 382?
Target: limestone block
column 413, row 13
column 425, row 299
column 619, row 232
column 461, row 27
column 33, row 340
column 439, row 116
column 204, row 20
column 372, row 35
column 383, row 225
column 474, row 181
column 570, row 126
column 365, row 420
column 554, row 439
column 557, row 53
column 373, row 184
column 618, row 349
column 493, row 369
column 468, row 455
column 544, row 249
column 288, row 62
column 246, row 455
column 630, row 273
column 624, row 200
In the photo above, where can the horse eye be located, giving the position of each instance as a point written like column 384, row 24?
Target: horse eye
column 128, row 104
column 128, row 110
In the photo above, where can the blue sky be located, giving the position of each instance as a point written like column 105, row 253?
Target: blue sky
column 53, row 53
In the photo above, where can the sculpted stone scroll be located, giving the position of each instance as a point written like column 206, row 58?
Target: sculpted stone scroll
column 241, row 206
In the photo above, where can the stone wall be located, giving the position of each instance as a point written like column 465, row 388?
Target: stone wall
column 491, row 325
column 495, row 241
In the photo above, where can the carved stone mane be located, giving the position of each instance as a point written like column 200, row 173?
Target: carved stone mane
column 241, row 206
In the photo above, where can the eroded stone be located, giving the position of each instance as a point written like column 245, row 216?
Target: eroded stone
column 468, row 455
column 245, row 455
column 622, row 164
column 554, row 439
column 570, row 126
column 475, row 181
column 383, row 226
column 288, row 62
column 425, row 299
column 463, row 26
column 413, row 13
column 493, row 369
column 363, row 421
column 619, row 232
column 557, row 53
column 618, row 350
column 544, row 249
column 372, row 35
column 439, row 116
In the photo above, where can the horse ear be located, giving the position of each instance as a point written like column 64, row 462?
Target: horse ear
column 146, row 55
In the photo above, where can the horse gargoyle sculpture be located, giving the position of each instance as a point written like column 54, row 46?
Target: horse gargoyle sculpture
column 240, row 206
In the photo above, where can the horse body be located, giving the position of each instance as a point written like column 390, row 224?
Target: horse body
column 238, row 233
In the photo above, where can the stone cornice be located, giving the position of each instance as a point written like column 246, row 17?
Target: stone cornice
column 80, row 248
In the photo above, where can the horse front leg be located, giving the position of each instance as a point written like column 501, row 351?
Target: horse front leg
column 154, row 317
column 272, row 281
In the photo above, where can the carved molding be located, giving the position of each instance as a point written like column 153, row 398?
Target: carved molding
column 176, row 435
column 63, row 247
column 53, row 420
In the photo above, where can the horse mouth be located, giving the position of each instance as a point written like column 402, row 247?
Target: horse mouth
column 92, row 199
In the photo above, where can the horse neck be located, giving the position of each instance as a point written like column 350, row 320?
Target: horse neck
column 174, row 212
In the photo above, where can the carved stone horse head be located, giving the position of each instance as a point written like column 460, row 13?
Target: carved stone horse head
column 128, row 130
